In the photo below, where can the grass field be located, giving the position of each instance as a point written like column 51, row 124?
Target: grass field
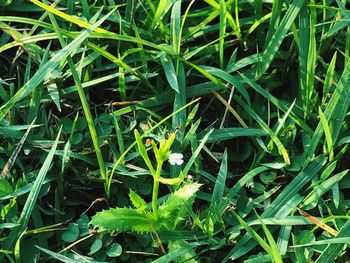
column 174, row 131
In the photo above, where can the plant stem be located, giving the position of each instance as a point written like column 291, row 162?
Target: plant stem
column 155, row 189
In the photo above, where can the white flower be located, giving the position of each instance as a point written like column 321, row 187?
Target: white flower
column 176, row 158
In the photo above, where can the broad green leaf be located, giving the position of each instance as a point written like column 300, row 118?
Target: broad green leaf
column 121, row 219
column 173, row 210
column 96, row 246
column 169, row 71
column 71, row 234
column 115, row 250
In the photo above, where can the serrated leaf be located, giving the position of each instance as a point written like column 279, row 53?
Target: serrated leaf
column 175, row 207
column 121, row 219
column 137, row 201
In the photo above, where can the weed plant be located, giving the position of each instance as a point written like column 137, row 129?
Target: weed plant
column 174, row 131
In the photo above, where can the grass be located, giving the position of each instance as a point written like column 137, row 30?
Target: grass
column 95, row 95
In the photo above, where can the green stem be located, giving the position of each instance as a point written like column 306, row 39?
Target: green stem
column 155, row 189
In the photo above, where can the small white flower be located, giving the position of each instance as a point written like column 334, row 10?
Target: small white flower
column 176, row 158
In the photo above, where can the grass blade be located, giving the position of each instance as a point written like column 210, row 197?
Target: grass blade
column 266, row 128
column 253, row 234
column 332, row 250
column 31, row 199
column 327, row 133
column 220, row 183
column 335, row 112
column 278, row 36
column 15, row 153
column 222, row 32
column 47, row 68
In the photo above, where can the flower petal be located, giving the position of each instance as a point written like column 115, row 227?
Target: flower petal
column 176, row 158
column 179, row 161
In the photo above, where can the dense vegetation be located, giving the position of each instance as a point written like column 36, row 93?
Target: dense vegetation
column 174, row 131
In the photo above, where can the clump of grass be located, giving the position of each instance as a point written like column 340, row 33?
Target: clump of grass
column 255, row 92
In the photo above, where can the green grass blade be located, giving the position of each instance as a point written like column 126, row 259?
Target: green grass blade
column 170, row 257
column 253, row 234
column 329, row 78
column 278, row 36
column 295, row 186
column 159, row 12
column 333, row 250
column 179, row 119
column 324, row 187
column 230, row 133
column 275, row 254
column 143, row 152
column 304, row 33
column 327, row 133
column 266, row 128
column 335, row 112
column 310, row 64
column 299, row 253
column 275, row 19
column 245, row 179
column 196, row 152
column 7, row 167
column 220, row 183
column 31, row 199
column 222, row 32
column 83, row 98
column 47, row 68
column 57, row 256
column 175, row 26
column 230, row 79
column 277, row 103
column 283, row 239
